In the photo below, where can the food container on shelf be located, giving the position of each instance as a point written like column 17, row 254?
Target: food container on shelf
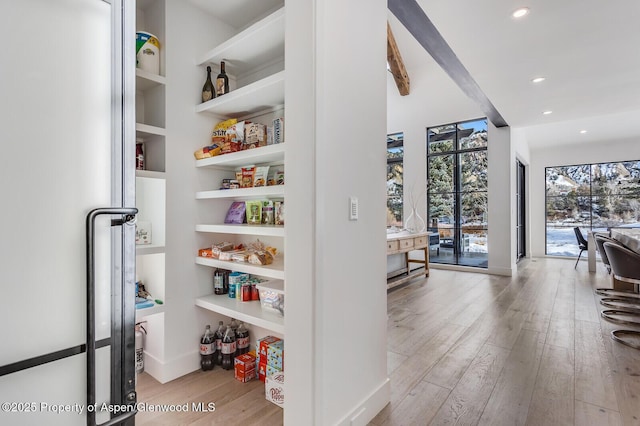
column 272, row 296
column 147, row 52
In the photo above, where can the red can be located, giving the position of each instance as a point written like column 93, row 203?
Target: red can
column 255, row 294
column 246, row 293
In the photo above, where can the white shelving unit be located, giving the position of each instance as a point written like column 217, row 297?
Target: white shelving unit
column 244, row 229
column 143, row 313
column 275, row 270
column 265, row 154
column 249, row 312
column 275, row 191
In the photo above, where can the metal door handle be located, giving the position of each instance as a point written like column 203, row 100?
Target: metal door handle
column 126, row 214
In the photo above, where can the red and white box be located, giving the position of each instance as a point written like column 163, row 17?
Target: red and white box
column 262, row 371
column 245, row 367
column 274, row 388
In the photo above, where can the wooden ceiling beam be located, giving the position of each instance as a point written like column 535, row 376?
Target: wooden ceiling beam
column 396, row 65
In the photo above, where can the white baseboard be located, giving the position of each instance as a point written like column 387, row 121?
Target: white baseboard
column 166, row 371
column 370, row 407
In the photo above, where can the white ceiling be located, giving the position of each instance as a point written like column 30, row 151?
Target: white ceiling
column 238, row 13
column 588, row 50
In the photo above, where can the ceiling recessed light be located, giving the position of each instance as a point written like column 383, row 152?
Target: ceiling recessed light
column 538, row 80
column 547, row 112
column 519, row 13
column 583, row 131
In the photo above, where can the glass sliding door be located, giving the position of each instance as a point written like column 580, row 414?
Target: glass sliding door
column 457, row 184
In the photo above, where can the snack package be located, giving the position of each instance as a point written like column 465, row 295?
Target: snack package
column 218, row 248
column 240, row 256
column 269, row 135
column 254, row 135
column 254, row 212
column 279, row 212
column 278, row 130
column 248, row 174
column 225, row 124
column 219, row 137
column 228, row 255
column 260, row 258
column 207, row 152
column 276, row 177
column 268, row 217
column 260, row 176
column 235, row 138
column 236, row 213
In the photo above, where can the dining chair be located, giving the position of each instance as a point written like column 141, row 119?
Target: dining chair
column 582, row 243
column 625, row 265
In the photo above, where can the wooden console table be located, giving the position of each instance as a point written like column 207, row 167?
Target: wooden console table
column 404, row 242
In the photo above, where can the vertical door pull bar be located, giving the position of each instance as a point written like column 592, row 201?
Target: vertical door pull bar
column 126, row 214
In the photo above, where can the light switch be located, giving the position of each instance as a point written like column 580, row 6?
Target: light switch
column 353, row 208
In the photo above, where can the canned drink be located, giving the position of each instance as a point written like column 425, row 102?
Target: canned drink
column 246, row 293
column 232, row 291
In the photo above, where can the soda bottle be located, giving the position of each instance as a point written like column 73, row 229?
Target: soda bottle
column 228, row 348
column 234, row 326
column 218, row 338
column 242, row 339
column 206, row 349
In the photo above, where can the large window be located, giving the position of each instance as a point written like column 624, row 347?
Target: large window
column 593, row 197
column 457, row 184
column 395, row 152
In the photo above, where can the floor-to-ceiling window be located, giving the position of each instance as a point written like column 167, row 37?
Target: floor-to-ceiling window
column 395, row 152
column 457, row 185
column 593, row 197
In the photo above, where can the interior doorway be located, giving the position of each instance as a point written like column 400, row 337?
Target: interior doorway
column 521, row 200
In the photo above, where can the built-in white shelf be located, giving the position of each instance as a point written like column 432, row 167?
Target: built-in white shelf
column 263, row 155
column 244, row 229
column 275, row 270
column 146, row 80
column 145, row 312
column 143, row 249
column 261, row 95
column 249, row 312
column 145, row 130
column 274, row 191
column 151, row 174
column 248, row 50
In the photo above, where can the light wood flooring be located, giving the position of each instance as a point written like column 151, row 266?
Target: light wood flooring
column 469, row 349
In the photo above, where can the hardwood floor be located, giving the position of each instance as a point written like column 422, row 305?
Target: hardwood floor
column 467, row 348
column 530, row 349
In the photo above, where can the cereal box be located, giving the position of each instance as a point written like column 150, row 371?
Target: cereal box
column 275, row 355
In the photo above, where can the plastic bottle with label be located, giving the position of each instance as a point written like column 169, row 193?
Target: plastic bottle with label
column 228, row 348
column 242, row 339
column 207, row 349
column 218, row 339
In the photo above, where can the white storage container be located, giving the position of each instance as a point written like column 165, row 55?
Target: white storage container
column 272, row 296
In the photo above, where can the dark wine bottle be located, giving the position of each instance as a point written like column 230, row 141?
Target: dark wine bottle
column 222, row 81
column 207, row 90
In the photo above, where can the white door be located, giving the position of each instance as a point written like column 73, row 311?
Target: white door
column 64, row 134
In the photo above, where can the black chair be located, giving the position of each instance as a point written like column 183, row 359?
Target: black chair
column 610, row 292
column 600, row 240
column 582, row 243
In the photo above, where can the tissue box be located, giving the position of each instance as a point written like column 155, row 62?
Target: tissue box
column 274, row 388
column 143, row 233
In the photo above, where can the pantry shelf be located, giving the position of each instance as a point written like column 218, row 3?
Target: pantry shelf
column 146, row 130
column 249, row 312
column 275, row 270
column 244, row 229
column 151, row 174
column 141, row 314
column 274, row 191
column 262, row 155
column 149, row 249
column 146, row 80
column 258, row 96
column 248, row 50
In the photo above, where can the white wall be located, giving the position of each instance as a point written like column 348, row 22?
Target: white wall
column 597, row 152
column 336, row 106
